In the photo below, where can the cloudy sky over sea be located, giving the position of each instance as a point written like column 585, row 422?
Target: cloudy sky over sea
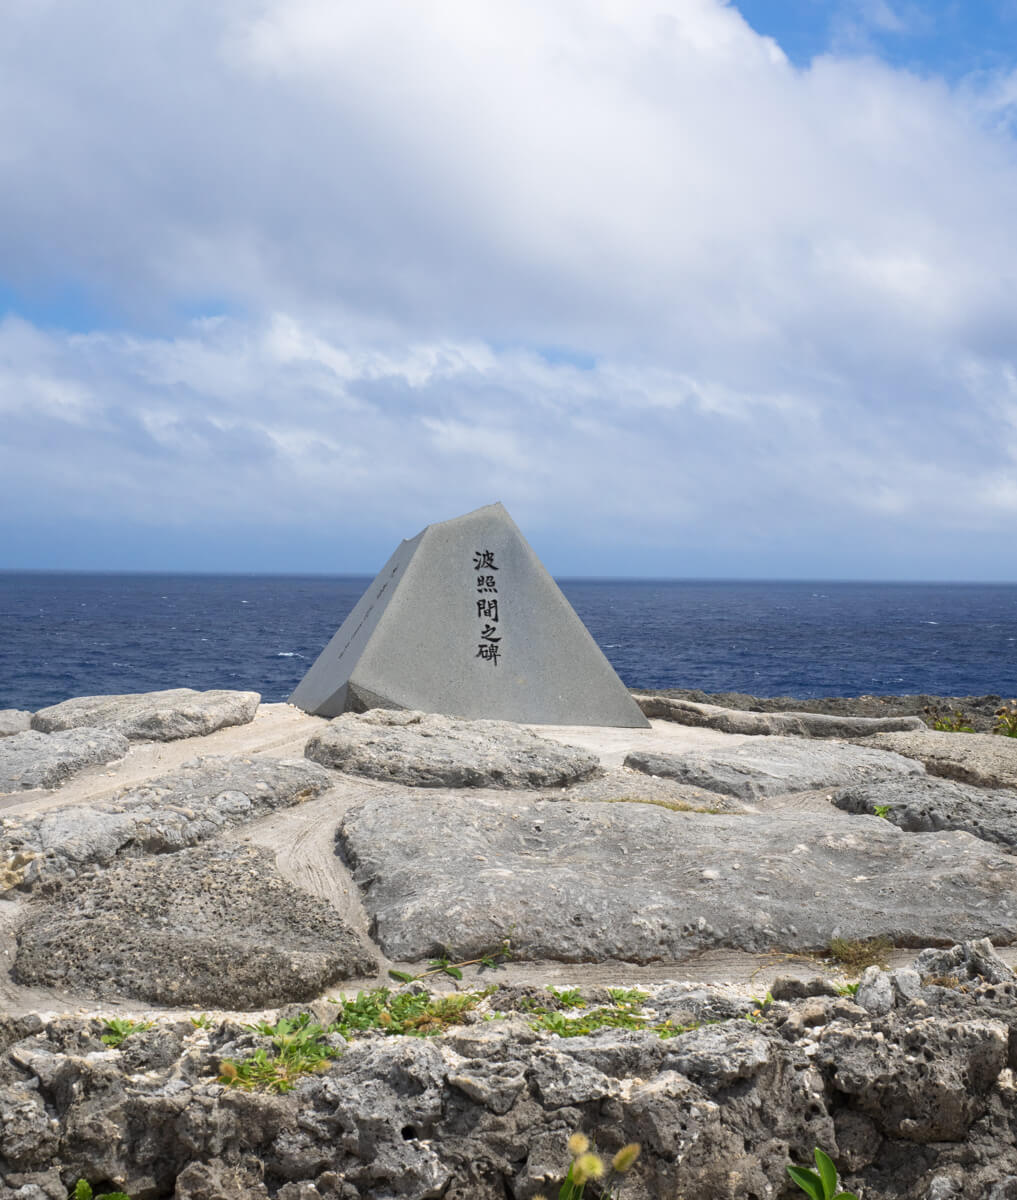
column 695, row 288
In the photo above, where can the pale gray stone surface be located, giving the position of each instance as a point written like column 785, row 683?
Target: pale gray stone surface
column 428, row 750
column 585, row 882
column 984, row 759
column 971, row 960
column 196, row 802
column 875, row 991
column 153, row 716
column 464, row 620
column 798, row 724
column 926, row 803
column 14, row 720
column 45, row 760
column 774, row 767
column 213, row 926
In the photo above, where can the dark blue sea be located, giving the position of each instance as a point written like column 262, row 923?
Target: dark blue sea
column 65, row 635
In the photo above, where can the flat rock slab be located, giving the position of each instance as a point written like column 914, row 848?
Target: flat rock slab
column 619, row 785
column 585, row 882
column 927, row 804
column 14, row 720
column 984, row 759
column 796, row 724
column 152, row 716
column 431, row 751
column 200, row 800
column 775, row 767
column 45, row 760
column 212, row 926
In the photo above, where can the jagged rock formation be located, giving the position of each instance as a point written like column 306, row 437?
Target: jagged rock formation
column 208, row 926
column 914, row 1103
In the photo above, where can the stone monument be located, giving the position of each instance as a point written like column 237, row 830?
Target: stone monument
column 464, row 620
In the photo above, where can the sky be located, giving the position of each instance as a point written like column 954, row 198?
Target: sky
column 695, row 288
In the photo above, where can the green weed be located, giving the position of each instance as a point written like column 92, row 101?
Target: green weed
column 445, row 966
column 568, row 997
column 203, row 1021
column 299, row 1050
column 820, row 1184
column 855, row 955
column 847, row 989
column 83, row 1191
column 406, row 1013
column 119, row 1029
column 882, row 810
column 587, row 1166
column 955, row 722
column 1006, row 720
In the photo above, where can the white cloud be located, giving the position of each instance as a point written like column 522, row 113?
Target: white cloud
column 571, row 255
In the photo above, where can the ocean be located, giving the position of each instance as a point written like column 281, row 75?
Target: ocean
column 75, row 634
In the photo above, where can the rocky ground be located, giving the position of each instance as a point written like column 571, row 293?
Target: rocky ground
column 199, row 862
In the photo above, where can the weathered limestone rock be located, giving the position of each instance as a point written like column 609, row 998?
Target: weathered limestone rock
column 587, row 882
column 199, row 801
column 775, row 767
column 14, row 720
column 428, row 750
column 40, row 760
column 983, row 759
column 924, row 804
column 153, row 716
column 916, row 1103
column 800, row 724
column 973, row 960
column 213, row 926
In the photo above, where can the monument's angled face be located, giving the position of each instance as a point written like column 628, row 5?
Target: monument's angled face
column 464, row 620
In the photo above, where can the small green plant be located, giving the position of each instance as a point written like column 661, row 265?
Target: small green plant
column 820, row 1184
column 587, row 1166
column 950, row 722
column 202, row 1021
column 119, row 1029
column 83, row 1191
column 299, row 1049
column 445, row 966
column 568, row 997
column 1006, row 720
column 847, row 989
column 882, row 810
column 406, row 1013
column 854, row 955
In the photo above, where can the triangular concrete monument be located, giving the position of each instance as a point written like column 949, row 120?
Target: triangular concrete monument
column 464, row 620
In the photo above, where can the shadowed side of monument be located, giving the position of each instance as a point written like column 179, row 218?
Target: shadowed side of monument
column 464, row 620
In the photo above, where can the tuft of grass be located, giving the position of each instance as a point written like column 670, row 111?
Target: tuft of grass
column 587, row 1166
column 119, row 1029
column 847, row 989
column 82, row 1190
column 1006, row 720
column 298, row 1049
column 821, row 1184
column 854, row 955
column 949, row 722
column 673, row 805
column 399, row 1012
column 882, row 810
